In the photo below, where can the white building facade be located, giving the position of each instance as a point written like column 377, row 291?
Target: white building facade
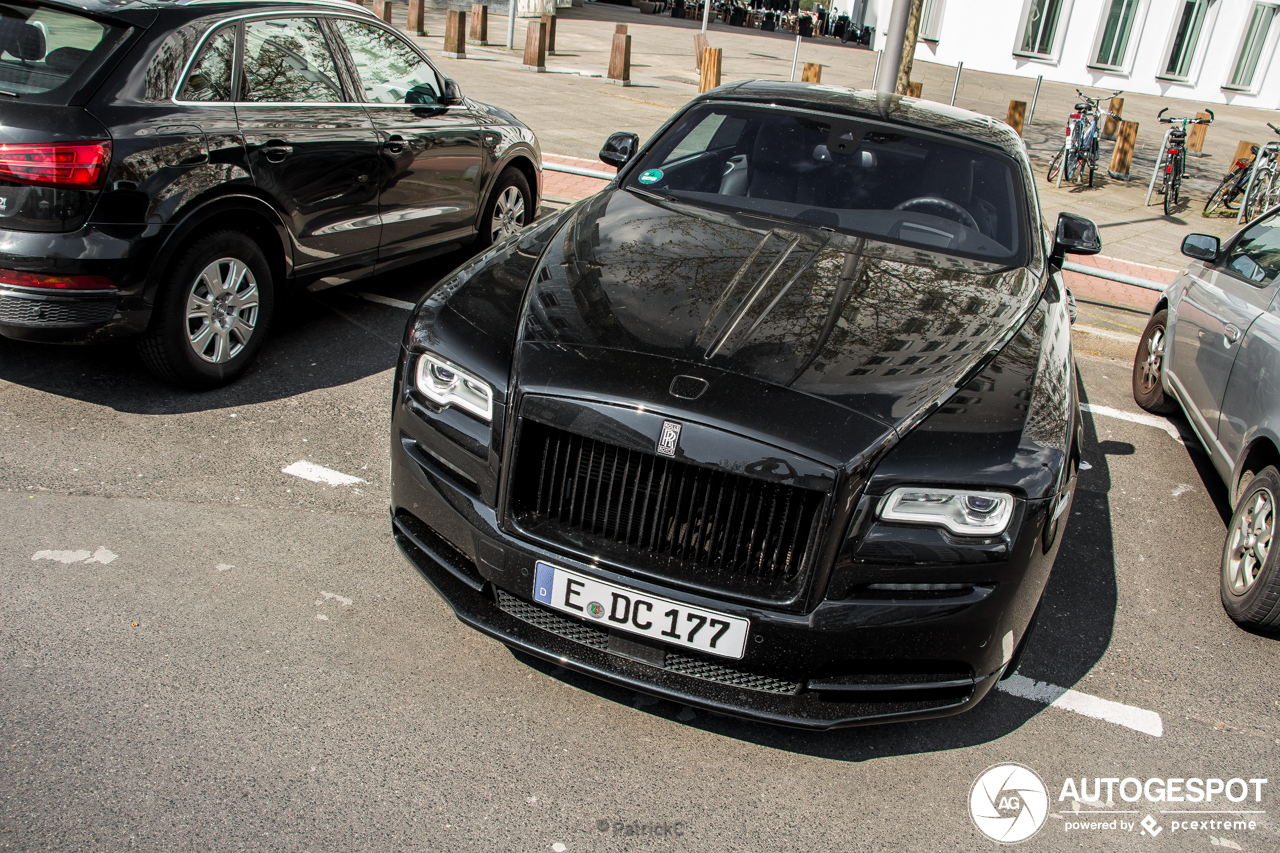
column 1213, row 51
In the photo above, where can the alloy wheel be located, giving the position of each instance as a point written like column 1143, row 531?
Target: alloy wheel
column 508, row 213
column 1249, row 542
column 222, row 310
column 1154, row 360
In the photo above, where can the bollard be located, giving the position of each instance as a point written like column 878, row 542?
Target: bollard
column 1122, row 155
column 1244, row 151
column 1035, row 96
column 535, row 47
column 710, row 77
column 550, row 21
column 812, row 73
column 620, row 30
column 479, row 24
column 382, row 8
column 1195, row 139
column 455, row 34
column 416, row 23
column 1017, row 113
column 1112, row 124
column 914, row 89
column 620, row 60
column 955, row 87
column 700, row 46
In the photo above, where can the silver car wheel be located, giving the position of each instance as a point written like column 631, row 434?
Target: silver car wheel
column 222, row 310
column 1154, row 361
column 1249, row 542
column 508, row 213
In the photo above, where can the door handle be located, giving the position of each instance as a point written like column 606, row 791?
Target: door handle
column 1230, row 334
column 394, row 144
column 275, row 150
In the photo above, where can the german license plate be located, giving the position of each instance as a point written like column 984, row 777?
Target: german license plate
column 636, row 612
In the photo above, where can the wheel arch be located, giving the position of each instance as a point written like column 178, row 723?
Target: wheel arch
column 244, row 213
column 1262, row 449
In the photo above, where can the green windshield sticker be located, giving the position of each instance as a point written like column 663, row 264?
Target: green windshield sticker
column 651, row 176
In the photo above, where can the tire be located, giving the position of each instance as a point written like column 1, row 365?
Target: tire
column 506, row 212
column 1250, row 580
column 1054, row 165
column 1148, row 367
column 1255, row 203
column 1172, row 179
column 1218, row 198
column 193, row 340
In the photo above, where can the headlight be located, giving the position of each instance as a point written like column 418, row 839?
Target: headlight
column 960, row 511
column 446, row 384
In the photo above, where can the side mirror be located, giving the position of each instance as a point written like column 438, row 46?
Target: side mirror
column 1075, row 235
column 1202, row 247
column 620, row 149
column 452, row 94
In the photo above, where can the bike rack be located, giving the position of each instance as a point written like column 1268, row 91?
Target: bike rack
column 1160, row 158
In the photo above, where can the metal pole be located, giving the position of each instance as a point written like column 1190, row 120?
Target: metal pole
column 876, row 73
column 1151, row 187
column 706, row 14
column 1034, row 95
column 511, row 25
column 955, row 87
column 795, row 58
column 895, row 41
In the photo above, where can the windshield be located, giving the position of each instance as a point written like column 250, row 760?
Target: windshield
column 863, row 178
column 43, row 49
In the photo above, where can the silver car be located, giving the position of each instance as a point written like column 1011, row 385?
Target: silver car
column 1212, row 346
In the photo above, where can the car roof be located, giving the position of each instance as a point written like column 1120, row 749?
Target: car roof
column 871, row 104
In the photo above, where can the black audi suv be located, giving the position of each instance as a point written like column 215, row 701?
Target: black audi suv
column 173, row 170
column 783, row 423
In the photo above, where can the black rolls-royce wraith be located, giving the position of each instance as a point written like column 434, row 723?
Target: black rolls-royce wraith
column 780, row 424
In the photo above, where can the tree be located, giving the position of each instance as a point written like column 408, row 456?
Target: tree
column 908, row 48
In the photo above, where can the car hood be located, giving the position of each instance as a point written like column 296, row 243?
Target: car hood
column 876, row 328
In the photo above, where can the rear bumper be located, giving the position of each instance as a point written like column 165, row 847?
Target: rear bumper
column 121, row 253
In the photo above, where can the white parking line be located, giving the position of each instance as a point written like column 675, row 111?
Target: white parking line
column 102, row 555
column 1147, row 722
column 320, row 474
column 1145, row 420
column 386, row 300
column 1105, row 333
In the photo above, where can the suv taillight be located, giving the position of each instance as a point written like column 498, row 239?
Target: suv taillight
column 75, row 165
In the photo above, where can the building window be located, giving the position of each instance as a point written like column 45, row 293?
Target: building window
column 1041, row 29
column 931, row 19
column 1117, row 26
column 1190, row 22
column 1255, row 38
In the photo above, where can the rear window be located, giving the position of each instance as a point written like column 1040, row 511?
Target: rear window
column 862, row 178
column 46, row 52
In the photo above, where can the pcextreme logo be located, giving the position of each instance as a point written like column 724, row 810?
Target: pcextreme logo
column 1008, row 803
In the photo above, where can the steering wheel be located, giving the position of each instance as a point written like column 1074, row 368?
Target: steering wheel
column 957, row 212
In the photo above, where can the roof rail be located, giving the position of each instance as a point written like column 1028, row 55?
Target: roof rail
column 346, row 5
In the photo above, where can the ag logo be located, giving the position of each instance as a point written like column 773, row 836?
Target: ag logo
column 1008, row 803
column 670, row 438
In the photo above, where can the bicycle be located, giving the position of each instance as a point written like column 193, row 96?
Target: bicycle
column 1261, row 191
column 1080, row 148
column 1175, row 156
column 1232, row 186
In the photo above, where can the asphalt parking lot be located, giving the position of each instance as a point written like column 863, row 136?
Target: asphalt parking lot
column 203, row 652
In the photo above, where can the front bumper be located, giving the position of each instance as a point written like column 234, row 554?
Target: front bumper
column 845, row 663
